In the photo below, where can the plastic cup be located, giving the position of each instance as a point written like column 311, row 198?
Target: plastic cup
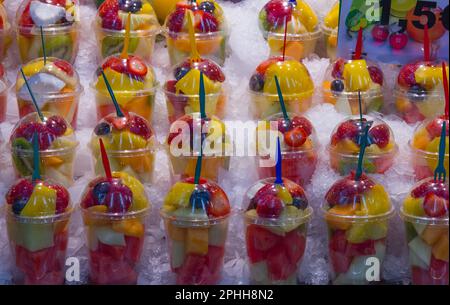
column 179, row 105
column 5, row 41
column 427, row 233
column 184, row 166
column 209, row 45
column 3, row 100
column 330, row 37
column 110, row 42
column 298, row 46
column 114, row 264
column 204, row 267
column 275, row 246
column 424, row 162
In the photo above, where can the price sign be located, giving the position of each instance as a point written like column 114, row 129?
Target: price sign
column 394, row 29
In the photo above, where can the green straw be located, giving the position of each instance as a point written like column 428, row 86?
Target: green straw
column 363, row 144
column 198, row 165
column 280, row 97
column 113, row 97
column 202, row 97
column 41, row 116
column 43, row 46
column 36, row 159
column 440, row 173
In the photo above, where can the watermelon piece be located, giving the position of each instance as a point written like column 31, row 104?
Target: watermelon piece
column 215, row 260
column 279, row 265
column 340, row 262
column 194, row 271
column 50, row 278
column 37, row 264
column 262, row 239
column 112, row 252
column 133, row 248
column 365, row 248
column 338, row 242
column 106, row 270
column 295, row 244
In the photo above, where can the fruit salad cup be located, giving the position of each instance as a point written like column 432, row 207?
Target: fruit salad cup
column 299, row 148
column 302, row 31
column 163, row 8
column 211, row 34
column 344, row 78
column 425, row 147
column 4, row 88
column 196, row 219
column 110, row 28
column 276, row 221
column 345, row 145
column 183, row 144
column 130, row 144
column 330, row 30
column 357, row 214
column 59, row 22
column 55, row 85
column 114, row 213
column 57, row 147
column 37, row 218
column 182, row 93
column 419, row 93
column 134, row 85
column 5, row 32
column 295, row 82
column 425, row 212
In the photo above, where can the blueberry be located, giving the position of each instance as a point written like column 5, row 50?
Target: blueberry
column 300, row 203
column 130, row 6
column 207, row 7
column 100, row 191
column 200, row 199
column 257, row 82
column 418, row 93
column 102, row 129
column 181, row 72
column 19, row 204
column 337, row 85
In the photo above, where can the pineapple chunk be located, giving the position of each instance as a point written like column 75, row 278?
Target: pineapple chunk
column 197, row 241
column 432, row 234
column 440, row 249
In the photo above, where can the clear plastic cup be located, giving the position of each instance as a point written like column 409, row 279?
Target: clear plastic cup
column 5, row 33
column 3, row 99
column 295, row 82
column 330, row 37
column 275, row 239
column 63, row 97
column 38, row 239
column 179, row 105
column 424, row 147
column 425, row 213
column 114, row 213
column 61, row 37
column 357, row 214
column 134, row 93
column 196, row 235
column 57, row 158
column 183, row 167
column 209, row 45
column 129, row 150
column 344, row 78
column 344, row 148
column 298, row 46
column 299, row 161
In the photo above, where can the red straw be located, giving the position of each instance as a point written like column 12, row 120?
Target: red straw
column 426, row 44
column 105, row 160
column 445, row 84
column 359, row 45
column 285, row 38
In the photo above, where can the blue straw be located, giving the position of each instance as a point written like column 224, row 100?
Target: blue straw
column 279, row 177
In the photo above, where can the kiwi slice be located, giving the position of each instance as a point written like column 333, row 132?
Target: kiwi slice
column 59, row 46
column 114, row 44
column 22, row 161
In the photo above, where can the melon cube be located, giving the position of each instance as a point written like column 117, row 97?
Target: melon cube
column 440, row 249
column 197, row 241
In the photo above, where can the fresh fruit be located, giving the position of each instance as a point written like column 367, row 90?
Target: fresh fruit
column 398, row 41
column 380, row 32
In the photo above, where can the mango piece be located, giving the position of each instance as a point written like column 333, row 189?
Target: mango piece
column 176, row 233
column 413, row 206
column 432, row 234
column 306, row 15
column 429, row 77
column 118, row 82
column 332, row 18
column 347, row 146
column 130, row 227
column 197, row 241
column 141, row 105
column 293, row 77
column 284, row 194
column 335, row 222
column 433, row 147
column 357, row 76
column 190, row 84
column 125, row 140
column 440, row 249
column 421, row 139
column 52, row 161
column 42, row 202
column 140, row 200
column 377, row 201
column 178, row 196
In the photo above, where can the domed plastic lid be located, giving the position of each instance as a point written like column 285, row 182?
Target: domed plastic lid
column 350, row 199
column 428, row 135
column 302, row 20
column 113, row 14
column 295, row 80
column 121, row 196
column 331, row 20
column 55, row 134
column 185, row 136
column 127, row 76
column 208, row 17
column 272, row 204
column 421, row 81
column 56, row 77
column 196, row 204
column 40, row 199
column 46, row 13
column 428, row 202
column 187, row 77
column 130, row 133
column 347, row 136
column 298, row 134
column 347, row 77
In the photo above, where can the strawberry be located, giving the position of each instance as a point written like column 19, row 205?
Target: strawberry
column 407, row 77
column 211, row 70
column 136, row 66
column 62, row 198
column 338, row 68
column 435, row 206
column 26, row 20
column 219, row 205
column 176, row 20
column 347, row 130
column 22, row 189
column 278, row 12
column 117, row 64
column 295, row 137
column 262, row 68
column 380, row 135
column 205, row 22
column 269, row 206
column 139, row 126
column 299, row 121
column 376, row 75
column 64, row 66
column 434, row 128
column 108, row 7
column 430, row 186
column 57, row 125
column 45, row 136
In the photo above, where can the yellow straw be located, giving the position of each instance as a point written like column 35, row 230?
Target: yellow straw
column 126, row 43
column 194, row 53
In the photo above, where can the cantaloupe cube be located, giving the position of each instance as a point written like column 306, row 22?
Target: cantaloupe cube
column 176, row 233
column 432, row 234
column 440, row 249
column 197, row 241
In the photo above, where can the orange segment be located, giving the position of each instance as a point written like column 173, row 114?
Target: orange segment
column 130, row 227
column 335, row 222
column 140, row 105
